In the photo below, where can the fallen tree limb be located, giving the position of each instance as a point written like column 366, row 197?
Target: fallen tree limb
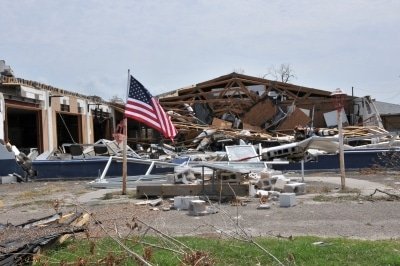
column 387, row 193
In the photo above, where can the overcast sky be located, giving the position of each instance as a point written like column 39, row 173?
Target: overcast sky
column 87, row 46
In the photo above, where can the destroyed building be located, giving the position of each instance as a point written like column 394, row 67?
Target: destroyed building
column 36, row 115
column 261, row 106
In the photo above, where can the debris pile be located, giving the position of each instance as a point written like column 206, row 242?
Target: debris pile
column 19, row 243
column 236, row 109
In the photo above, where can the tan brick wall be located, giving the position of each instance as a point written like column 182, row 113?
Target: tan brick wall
column 45, row 130
column 84, row 129
column 54, row 128
column 73, row 105
column 55, row 103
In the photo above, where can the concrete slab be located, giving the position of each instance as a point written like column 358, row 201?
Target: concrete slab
column 366, row 187
column 98, row 195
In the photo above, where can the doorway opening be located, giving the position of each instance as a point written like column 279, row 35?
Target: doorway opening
column 23, row 129
column 68, row 129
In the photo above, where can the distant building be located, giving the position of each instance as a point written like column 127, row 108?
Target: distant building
column 36, row 115
column 390, row 114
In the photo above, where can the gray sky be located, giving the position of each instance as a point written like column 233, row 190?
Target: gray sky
column 87, row 46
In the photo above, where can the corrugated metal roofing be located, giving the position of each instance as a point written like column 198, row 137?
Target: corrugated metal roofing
column 387, row 108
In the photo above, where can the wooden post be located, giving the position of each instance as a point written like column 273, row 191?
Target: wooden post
column 124, row 161
column 341, row 150
column 339, row 98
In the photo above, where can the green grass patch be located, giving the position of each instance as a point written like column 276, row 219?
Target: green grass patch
column 214, row 251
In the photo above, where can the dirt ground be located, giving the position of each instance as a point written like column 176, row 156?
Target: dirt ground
column 322, row 211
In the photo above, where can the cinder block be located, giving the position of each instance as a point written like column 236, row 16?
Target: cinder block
column 197, row 207
column 264, row 184
column 8, row 179
column 183, row 202
column 252, row 190
column 280, row 183
column 298, row 188
column 287, row 199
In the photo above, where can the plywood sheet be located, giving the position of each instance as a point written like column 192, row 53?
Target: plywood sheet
column 296, row 118
column 259, row 113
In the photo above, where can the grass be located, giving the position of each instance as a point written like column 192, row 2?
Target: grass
column 334, row 198
column 313, row 189
column 350, row 190
column 39, row 192
column 299, row 251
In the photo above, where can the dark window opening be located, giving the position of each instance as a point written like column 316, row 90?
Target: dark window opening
column 101, row 129
column 64, row 107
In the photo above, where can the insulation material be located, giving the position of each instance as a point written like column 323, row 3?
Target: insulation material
column 259, row 113
column 296, row 118
column 331, row 118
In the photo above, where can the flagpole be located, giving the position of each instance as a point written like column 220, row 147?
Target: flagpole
column 125, row 144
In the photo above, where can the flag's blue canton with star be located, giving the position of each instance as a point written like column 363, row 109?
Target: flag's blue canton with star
column 138, row 91
column 143, row 107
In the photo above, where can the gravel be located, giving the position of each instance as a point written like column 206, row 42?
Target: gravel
column 337, row 215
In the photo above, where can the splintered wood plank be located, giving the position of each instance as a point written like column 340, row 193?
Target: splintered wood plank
column 251, row 128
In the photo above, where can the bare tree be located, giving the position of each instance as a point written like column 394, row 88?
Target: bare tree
column 283, row 73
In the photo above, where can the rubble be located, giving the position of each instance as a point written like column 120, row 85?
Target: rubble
column 19, row 243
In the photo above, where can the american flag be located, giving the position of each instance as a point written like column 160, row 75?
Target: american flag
column 143, row 107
